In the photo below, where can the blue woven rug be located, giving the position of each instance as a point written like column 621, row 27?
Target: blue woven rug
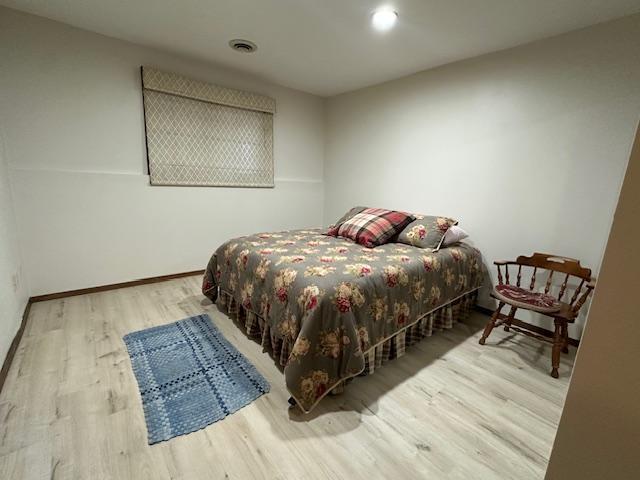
column 189, row 376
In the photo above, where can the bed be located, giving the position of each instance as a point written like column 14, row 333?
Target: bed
column 329, row 309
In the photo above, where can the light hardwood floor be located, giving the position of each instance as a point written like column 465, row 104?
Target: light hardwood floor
column 449, row 408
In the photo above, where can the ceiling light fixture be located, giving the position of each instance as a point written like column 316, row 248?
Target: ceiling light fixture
column 244, row 46
column 384, row 18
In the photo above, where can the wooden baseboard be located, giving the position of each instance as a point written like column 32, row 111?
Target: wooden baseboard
column 521, row 323
column 113, row 286
column 14, row 345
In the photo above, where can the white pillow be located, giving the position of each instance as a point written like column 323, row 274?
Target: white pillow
column 453, row 235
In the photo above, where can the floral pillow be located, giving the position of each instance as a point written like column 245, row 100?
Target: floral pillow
column 372, row 226
column 426, row 231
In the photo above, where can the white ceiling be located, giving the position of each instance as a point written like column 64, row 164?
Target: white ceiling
column 328, row 47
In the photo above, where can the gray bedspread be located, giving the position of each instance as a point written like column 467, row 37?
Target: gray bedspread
column 330, row 299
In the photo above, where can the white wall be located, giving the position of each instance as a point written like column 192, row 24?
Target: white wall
column 599, row 431
column 12, row 300
column 72, row 110
column 526, row 147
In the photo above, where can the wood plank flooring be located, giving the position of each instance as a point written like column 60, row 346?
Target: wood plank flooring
column 449, row 408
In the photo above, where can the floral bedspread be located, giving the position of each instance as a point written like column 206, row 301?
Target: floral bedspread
column 333, row 299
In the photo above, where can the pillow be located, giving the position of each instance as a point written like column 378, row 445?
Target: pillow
column 372, row 226
column 347, row 216
column 426, row 231
column 453, row 235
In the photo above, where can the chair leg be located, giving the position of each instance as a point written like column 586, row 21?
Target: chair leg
column 490, row 324
column 565, row 337
column 509, row 319
column 558, row 342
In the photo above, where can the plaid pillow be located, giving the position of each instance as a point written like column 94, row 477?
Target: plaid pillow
column 344, row 218
column 372, row 226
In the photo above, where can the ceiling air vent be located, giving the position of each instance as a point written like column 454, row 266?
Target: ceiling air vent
column 244, row 46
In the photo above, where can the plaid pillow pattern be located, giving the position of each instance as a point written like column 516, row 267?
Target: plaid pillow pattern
column 353, row 211
column 372, row 226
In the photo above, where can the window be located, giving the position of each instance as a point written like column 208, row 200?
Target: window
column 201, row 134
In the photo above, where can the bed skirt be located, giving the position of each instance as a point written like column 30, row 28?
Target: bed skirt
column 442, row 318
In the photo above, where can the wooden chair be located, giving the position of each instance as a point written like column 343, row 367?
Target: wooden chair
column 562, row 312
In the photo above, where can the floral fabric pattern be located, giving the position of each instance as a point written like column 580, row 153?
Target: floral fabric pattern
column 335, row 303
column 426, row 231
column 538, row 300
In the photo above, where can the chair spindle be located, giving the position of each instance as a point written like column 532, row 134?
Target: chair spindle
column 563, row 287
column 581, row 300
column 506, row 274
column 519, row 275
column 499, row 275
column 533, row 279
column 548, row 286
column 576, row 293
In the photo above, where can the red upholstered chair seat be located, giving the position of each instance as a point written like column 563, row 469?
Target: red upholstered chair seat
column 540, row 302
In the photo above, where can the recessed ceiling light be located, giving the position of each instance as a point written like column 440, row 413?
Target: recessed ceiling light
column 384, row 18
column 244, row 46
